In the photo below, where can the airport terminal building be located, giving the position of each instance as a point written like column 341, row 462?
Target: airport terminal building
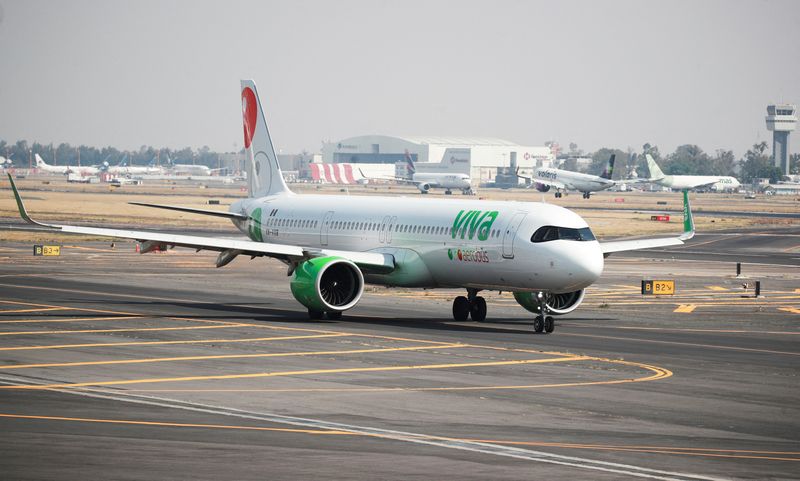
column 483, row 154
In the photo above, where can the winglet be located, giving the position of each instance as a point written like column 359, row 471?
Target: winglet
column 22, row 211
column 688, row 220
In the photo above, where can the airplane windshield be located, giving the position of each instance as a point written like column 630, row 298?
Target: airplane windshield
column 550, row 233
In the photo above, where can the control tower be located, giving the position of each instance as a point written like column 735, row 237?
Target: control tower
column 781, row 120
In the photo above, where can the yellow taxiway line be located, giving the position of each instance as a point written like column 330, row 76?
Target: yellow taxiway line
column 20, row 333
column 790, row 456
column 73, row 319
column 157, row 343
column 293, row 373
column 230, row 356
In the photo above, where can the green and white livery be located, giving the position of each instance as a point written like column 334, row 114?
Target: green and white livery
column 334, row 245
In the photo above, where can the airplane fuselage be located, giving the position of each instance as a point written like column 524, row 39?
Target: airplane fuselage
column 715, row 182
column 572, row 180
column 465, row 243
column 443, row 181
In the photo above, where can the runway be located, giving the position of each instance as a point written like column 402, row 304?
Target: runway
column 120, row 366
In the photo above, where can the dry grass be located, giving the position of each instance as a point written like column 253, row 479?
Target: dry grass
column 99, row 205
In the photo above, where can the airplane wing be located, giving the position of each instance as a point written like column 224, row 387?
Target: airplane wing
column 228, row 248
column 549, row 183
column 610, row 247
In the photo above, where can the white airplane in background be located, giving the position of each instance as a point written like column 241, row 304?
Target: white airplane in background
column 190, row 169
column 544, row 179
column 124, row 169
column 545, row 254
column 64, row 169
column 683, row 182
column 432, row 180
column 6, row 163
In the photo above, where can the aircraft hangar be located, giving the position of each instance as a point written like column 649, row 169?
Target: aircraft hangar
column 478, row 156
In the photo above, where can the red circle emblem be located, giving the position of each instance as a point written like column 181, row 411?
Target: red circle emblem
column 249, row 113
column 460, row 256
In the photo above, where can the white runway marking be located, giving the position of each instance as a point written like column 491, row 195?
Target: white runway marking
column 431, row 440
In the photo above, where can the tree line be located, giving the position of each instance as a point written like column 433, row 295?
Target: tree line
column 21, row 153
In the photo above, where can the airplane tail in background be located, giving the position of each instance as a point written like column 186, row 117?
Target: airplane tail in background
column 263, row 171
column 410, row 165
column 40, row 163
column 653, row 168
column 609, row 170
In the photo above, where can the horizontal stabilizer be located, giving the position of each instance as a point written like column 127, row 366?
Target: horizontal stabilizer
column 217, row 213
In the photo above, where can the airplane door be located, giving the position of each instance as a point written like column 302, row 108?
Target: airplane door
column 389, row 229
column 511, row 234
column 382, row 229
column 323, row 228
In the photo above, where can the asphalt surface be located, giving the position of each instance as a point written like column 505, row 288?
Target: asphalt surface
column 120, row 366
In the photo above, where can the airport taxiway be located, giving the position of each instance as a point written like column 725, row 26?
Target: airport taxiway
column 120, row 366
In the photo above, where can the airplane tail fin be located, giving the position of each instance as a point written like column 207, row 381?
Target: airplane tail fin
column 609, row 170
column 40, row 163
column 263, row 171
column 655, row 170
column 688, row 220
column 410, row 165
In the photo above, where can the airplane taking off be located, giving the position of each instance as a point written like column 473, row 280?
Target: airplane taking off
column 682, row 182
column 545, row 254
column 64, row 169
column 545, row 179
column 432, row 180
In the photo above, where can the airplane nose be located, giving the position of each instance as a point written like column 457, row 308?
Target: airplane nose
column 593, row 262
column 588, row 263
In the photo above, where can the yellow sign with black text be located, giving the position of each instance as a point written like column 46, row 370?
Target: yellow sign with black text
column 658, row 288
column 42, row 250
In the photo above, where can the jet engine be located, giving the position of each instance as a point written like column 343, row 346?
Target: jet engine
column 556, row 303
column 327, row 284
column 424, row 188
column 542, row 187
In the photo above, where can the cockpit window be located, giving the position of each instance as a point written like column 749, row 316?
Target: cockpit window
column 550, row 232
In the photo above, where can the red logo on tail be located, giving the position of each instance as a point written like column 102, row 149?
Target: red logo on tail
column 249, row 113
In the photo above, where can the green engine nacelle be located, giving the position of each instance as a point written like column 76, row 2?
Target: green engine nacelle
column 327, row 284
column 556, row 303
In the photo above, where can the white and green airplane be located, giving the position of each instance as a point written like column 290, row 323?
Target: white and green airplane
column 333, row 245
column 718, row 183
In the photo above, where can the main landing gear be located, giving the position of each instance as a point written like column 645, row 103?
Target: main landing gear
column 558, row 195
column 472, row 306
column 543, row 322
column 315, row 315
column 587, row 195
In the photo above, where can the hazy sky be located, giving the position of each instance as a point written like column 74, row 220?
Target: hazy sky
column 597, row 73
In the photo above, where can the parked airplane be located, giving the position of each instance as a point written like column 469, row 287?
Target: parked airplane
column 64, row 169
column 681, row 182
column 6, row 163
column 545, row 179
column 124, row 169
column 545, row 254
column 425, row 181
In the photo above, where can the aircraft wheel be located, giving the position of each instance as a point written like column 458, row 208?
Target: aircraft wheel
column 334, row 315
column 478, row 309
column 549, row 324
column 461, row 309
column 315, row 315
column 448, row 192
column 538, row 324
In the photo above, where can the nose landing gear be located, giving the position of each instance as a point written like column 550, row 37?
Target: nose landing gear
column 543, row 322
column 472, row 306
